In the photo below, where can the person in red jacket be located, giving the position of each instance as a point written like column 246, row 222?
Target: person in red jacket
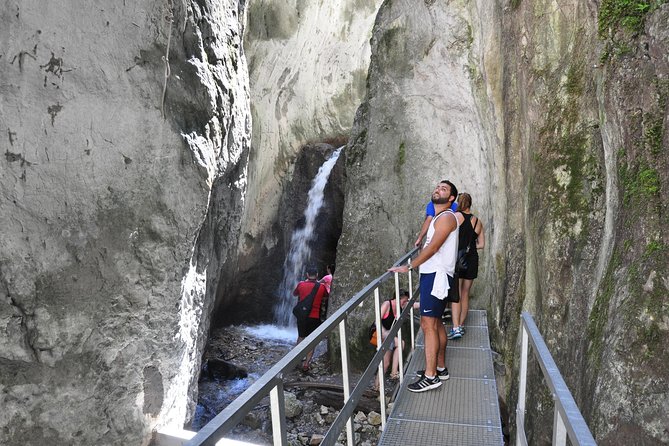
column 307, row 326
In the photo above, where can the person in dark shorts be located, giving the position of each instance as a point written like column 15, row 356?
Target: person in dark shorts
column 307, row 326
column 471, row 235
column 437, row 278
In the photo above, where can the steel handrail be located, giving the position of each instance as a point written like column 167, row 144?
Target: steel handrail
column 567, row 418
column 272, row 380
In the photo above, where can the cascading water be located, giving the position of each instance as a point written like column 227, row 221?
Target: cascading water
column 276, row 340
column 300, row 251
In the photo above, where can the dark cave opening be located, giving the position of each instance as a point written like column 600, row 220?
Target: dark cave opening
column 254, row 289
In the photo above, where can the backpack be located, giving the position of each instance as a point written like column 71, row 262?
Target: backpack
column 371, row 333
column 302, row 309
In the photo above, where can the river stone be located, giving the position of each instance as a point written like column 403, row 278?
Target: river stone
column 360, row 417
column 316, row 439
column 292, row 405
column 374, row 418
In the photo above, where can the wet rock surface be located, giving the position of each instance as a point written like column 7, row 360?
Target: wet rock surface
column 312, row 398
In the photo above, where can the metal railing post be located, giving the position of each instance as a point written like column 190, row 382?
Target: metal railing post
column 278, row 411
column 380, row 377
column 521, row 440
column 346, row 377
column 568, row 422
column 413, row 330
column 559, row 429
column 399, row 332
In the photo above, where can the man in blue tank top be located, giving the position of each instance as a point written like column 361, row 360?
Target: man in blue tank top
column 437, row 271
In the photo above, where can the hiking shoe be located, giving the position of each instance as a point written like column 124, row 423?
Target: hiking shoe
column 442, row 375
column 455, row 333
column 462, row 329
column 424, row 384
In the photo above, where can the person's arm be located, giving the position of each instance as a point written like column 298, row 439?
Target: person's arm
column 480, row 236
column 442, row 228
column 423, row 230
column 384, row 308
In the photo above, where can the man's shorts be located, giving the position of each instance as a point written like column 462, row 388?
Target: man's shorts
column 430, row 306
column 307, row 326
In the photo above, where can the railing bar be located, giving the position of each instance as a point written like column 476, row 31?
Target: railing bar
column 521, row 439
column 382, row 382
column 399, row 332
column 346, row 376
column 235, row 411
column 413, row 330
column 278, row 411
column 522, row 386
column 559, row 430
column 564, row 401
column 350, row 406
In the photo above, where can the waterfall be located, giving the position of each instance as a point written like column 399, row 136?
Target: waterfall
column 300, row 251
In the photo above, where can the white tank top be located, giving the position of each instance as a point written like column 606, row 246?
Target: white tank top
column 448, row 252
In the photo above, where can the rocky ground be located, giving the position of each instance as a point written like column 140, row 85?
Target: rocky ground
column 237, row 356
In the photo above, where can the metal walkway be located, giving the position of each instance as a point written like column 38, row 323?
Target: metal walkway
column 464, row 411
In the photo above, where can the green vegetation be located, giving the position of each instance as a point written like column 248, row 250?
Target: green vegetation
column 515, row 4
column 638, row 182
column 627, row 15
column 654, row 247
column 401, row 156
column 653, row 135
column 569, row 176
column 600, row 314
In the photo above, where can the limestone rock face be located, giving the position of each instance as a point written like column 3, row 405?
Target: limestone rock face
column 553, row 115
column 424, row 120
column 114, row 182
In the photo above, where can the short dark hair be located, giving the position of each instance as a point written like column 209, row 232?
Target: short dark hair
column 312, row 271
column 404, row 293
column 331, row 267
column 454, row 190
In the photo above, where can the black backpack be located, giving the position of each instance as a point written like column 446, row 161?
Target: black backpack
column 303, row 307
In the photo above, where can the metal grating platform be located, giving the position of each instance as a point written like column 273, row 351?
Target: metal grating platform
column 412, row 433
column 464, row 410
column 476, row 337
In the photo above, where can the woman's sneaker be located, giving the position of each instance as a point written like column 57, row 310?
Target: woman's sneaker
column 455, row 333
column 424, row 384
column 442, row 375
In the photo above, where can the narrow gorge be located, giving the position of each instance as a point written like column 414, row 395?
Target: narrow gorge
column 157, row 155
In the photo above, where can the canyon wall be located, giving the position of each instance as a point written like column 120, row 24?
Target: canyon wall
column 553, row 115
column 121, row 189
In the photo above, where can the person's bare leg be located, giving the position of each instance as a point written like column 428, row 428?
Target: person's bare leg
column 465, row 286
column 431, row 331
column 386, row 363
column 455, row 314
column 443, row 340
column 455, row 310
column 307, row 361
column 394, row 371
